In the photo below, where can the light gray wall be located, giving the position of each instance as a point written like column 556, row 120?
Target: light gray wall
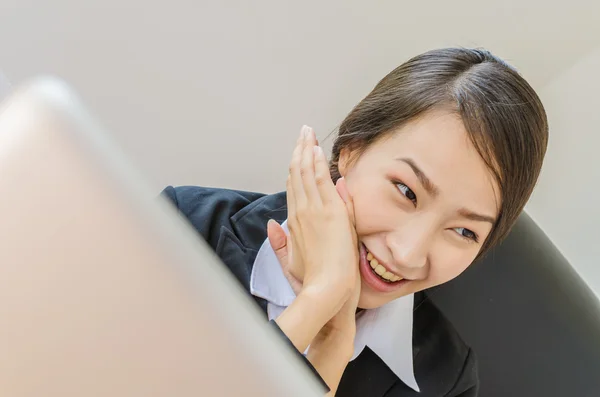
column 566, row 203
column 214, row 92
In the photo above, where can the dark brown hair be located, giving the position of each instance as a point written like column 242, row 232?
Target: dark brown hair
column 502, row 114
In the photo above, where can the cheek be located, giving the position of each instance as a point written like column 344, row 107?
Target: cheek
column 370, row 214
column 372, row 207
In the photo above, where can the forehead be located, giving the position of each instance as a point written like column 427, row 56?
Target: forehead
column 440, row 145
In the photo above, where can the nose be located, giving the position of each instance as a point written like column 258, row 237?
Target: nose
column 410, row 246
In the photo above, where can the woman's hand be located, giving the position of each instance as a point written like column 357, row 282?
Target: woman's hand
column 343, row 324
column 333, row 345
column 323, row 249
column 323, row 238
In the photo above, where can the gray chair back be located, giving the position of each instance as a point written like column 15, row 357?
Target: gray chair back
column 533, row 322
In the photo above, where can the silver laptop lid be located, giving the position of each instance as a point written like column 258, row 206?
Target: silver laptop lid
column 104, row 291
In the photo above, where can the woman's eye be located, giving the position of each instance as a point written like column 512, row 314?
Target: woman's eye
column 405, row 190
column 466, row 233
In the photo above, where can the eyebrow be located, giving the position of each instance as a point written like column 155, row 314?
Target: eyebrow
column 423, row 179
column 433, row 190
column 465, row 213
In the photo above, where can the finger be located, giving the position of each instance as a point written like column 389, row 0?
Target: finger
column 291, row 202
column 295, row 283
column 299, row 196
column 323, row 177
column 342, row 189
column 307, row 169
column 278, row 240
column 290, row 192
column 312, row 139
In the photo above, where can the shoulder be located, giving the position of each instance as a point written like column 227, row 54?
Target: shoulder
column 190, row 198
column 444, row 363
column 209, row 209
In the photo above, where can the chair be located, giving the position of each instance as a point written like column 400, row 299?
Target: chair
column 533, row 322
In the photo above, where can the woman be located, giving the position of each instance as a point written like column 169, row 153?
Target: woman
column 428, row 172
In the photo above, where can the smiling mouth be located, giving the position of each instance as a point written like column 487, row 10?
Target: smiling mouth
column 380, row 271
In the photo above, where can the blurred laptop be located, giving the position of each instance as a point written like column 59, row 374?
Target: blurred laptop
column 104, row 291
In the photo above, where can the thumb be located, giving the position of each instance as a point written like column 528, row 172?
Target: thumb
column 278, row 241
column 342, row 190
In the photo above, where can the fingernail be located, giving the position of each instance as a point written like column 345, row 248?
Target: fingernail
column 310, row 133
column 317, row 150
column 304, row 131
column 340, row 185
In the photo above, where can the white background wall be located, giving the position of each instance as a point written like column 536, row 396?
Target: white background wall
column 566, row 203
column 214, row 92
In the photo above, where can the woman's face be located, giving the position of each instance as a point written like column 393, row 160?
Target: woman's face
column 424, row 202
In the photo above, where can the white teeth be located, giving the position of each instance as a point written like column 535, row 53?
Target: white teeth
column 380, row 270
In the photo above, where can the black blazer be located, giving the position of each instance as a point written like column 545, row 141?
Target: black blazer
column 234, row 225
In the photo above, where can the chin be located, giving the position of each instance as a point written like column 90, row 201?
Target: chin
column 368, row 301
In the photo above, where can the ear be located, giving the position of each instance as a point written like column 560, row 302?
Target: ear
column 345, row 161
